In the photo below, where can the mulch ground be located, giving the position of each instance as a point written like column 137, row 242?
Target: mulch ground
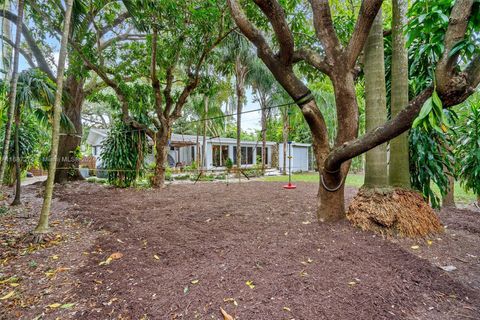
column 252, row 249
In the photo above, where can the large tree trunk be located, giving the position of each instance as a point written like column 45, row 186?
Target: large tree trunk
column 375, row 103
column 42, row 226
column 161, row 148
column 68, row 162
column 399, row 172
column 13, row 91
column 18, row 167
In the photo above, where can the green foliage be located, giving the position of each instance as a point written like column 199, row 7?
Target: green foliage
column 432, row 116
column 30, row 135
column 122, row 154
column 429, row 160
column 467, row 151
column 229, row 164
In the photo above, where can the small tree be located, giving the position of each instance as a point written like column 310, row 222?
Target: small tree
column 467, row 152
column 42, row 226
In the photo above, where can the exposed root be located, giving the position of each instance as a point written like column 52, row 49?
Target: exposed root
column 395, row 212
column 37, row 237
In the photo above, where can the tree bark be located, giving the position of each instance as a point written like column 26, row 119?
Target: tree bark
column 42, row 226
column 13, row 91
column 449, row 199
column 264, row 136
column 70, row 141
column 18, row 167
column 399, row 169
column 161, row 147
column 375, row 103
column 7, row 50
column 204, row 141
column 240, row 73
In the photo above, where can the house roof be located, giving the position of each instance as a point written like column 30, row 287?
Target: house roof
column 95, row 137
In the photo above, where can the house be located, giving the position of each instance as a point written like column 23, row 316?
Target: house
column 186, row 150
column 302, row 156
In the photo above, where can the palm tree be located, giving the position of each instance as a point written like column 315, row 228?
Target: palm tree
column 237, row 53
column 375, row 103
column 42, row 226
column 13, row 89
column 264, row 88
column 399, row 172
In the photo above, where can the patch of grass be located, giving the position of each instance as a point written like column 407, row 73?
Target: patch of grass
column 3, row 210
column 356, row 180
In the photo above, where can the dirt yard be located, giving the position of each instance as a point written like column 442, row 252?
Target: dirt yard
column 252, row 249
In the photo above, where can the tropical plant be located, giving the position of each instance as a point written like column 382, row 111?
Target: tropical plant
column 467, row 150
column 123, row 153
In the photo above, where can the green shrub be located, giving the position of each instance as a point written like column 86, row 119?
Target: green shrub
column 122, row 154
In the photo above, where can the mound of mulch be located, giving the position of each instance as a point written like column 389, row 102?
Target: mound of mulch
column 394, row 212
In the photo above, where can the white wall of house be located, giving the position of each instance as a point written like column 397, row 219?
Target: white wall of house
column 299, row 153
column 187, row 154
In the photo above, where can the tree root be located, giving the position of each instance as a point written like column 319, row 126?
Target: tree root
column 393, row 212
column 38, row 237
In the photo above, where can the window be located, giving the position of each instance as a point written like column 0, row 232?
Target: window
column 219, row 155
column 259, row 155
column 246, row 155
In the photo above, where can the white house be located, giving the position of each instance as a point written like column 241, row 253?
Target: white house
column 186, row 149
column 301, row 156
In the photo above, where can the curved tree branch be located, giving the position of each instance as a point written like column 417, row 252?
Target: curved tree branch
column 25, row 54
column 368, row 12
column 456, row 30
column 312, row 58
column 36, row 52
column 276, row 15
column 322, row 22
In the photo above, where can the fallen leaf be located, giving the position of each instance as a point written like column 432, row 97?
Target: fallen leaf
column 55, row 257
column 67, row 305
column 250, row 284
column 306, row 222
column 232, row 300
column 156, row 257
column 429, row 242
column 14, row 284
column 116, row 255
column 225, row 315
column 54, row 305
column 415, row 247
column 194, row 281
column 11, row 279
column 352, row 283
column 185, row 290
column 287, row 309
column 8, row 295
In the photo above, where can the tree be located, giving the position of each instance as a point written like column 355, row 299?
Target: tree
column 467, row 151
column 42, row 226
column 13, row 90
column 103, row 23
column 339, row 63
column 375, row 103
column 399, row 174
column 181, row 39
column 238, row 54
column 264, row 89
